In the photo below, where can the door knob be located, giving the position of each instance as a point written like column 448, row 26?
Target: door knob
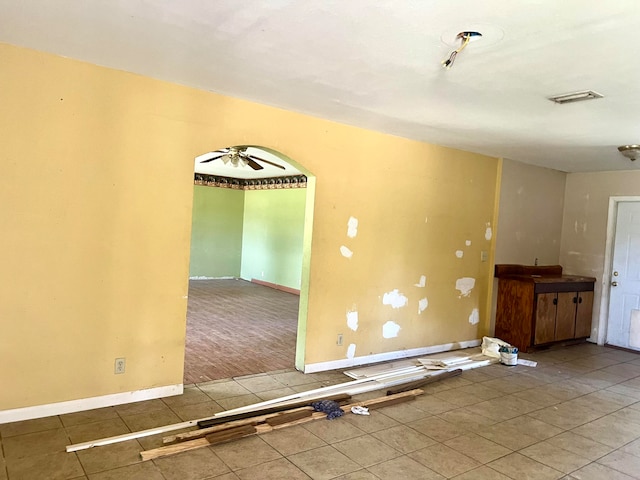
column 614, row 284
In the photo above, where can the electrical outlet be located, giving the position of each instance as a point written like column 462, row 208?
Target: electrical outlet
column 119, row 366
column 484, row 256
column 339, row 341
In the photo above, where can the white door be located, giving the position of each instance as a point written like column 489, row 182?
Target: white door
column 623, row 327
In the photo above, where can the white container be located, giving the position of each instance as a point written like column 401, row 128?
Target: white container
column 509, row 359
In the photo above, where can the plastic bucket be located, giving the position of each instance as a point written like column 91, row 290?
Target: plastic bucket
column 509, row 359
column 509, row 356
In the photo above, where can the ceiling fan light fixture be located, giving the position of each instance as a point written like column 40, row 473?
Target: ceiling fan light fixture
column 632, row 152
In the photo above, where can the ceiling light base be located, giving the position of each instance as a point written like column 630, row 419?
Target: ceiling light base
column 632, row 152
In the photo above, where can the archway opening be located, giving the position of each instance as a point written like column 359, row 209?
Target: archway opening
column 249, row 264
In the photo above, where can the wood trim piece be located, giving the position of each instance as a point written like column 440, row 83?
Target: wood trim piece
column 201, row 432
column 426, row 381
column 338, row 397
column 283, row 288
column 236, row 432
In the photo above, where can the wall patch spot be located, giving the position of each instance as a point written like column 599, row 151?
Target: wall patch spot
column 488, row 233
column 465, row 285
column 468, row 243
column 351, row 351
column 459, row 253
column 352, row 227
column 422, row 305
column 390, row 329
column 346, row 252
column 474, row 318
column 395, row 299
column 352, row 320
column 422, row 282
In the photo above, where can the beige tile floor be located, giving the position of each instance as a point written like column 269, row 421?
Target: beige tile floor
column 575, row 416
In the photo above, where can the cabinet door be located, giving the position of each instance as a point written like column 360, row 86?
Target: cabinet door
column 584, row 314
column 566, row 315
column 545, row 318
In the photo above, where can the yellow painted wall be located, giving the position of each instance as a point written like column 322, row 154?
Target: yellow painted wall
column 96, row 192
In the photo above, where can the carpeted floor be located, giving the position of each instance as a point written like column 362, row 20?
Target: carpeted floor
column 238, row 328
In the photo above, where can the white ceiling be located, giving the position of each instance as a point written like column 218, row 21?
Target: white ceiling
column 376, row 64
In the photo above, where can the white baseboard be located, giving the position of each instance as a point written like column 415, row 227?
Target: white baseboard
column 71, row 406
column 383, row 357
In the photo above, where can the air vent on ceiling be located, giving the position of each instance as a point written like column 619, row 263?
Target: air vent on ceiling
column 575, row 97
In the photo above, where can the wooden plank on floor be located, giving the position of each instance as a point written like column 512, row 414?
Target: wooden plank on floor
column 339, row 397
column 426, row 381
column 181, row 437
column 236, row 432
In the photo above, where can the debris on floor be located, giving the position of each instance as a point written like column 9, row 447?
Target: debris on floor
column 527, row 363
column 330, row 407
column 374, row 378
column 401, row 380
column 234, row 430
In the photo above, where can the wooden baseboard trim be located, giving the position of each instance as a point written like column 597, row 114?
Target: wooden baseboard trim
column 276, row 286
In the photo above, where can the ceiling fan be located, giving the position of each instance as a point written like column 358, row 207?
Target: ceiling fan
column 238, row 157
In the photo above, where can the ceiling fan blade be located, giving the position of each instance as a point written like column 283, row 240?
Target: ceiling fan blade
column 253, row 164
column 213, row 158
column 265, row 161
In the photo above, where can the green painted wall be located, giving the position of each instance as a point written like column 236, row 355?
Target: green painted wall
column 272, row 236
column 216, row 232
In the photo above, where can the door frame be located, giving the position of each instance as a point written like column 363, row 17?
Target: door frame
column 305, row 274
column 612, row 218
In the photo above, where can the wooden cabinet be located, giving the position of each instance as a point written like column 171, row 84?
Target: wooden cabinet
column 536, row 309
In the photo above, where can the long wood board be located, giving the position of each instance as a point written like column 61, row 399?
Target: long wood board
column 234, row 432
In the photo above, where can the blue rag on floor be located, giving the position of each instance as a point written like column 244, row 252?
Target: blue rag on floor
column 331, row 408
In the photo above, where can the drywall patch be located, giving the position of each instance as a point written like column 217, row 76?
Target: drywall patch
column 459, row 253
column 351, row 351
column 465, row 285
column 468, row 243
column 352, row 320
column 488, row 233
column 390, row 329
column 422, row 282
column 474, row 318
column 422, row 305
column 395, row 299
column 346, row 252
column 352, row 227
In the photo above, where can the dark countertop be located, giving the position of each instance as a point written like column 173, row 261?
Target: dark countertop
column 549, row 278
